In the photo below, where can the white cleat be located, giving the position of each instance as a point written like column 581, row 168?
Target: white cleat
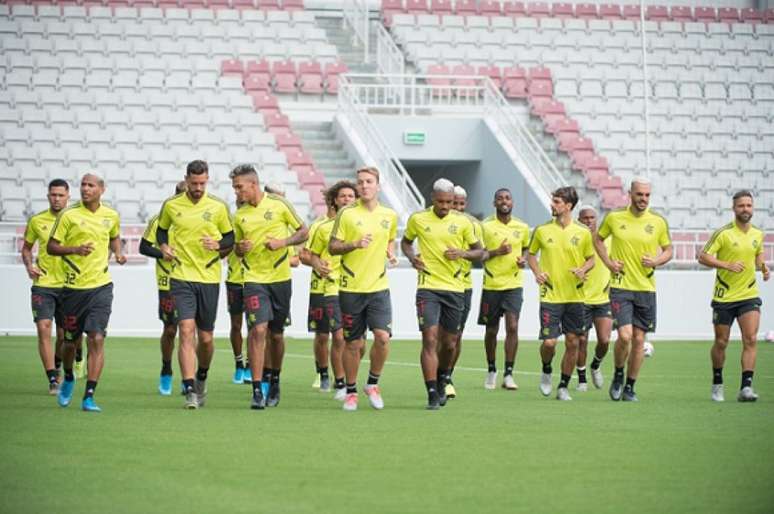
column 316, row 383
column 350, row 402
column 717, row 393
column 545, row 384
column 746, row 394
column 341, row 394
column 596, row 378
column 563, row 394
column 374, row 396
column 509, row 383
column 582, row 387
column 491, row 380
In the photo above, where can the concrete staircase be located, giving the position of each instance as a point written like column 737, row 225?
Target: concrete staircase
column 328, row 153
column 351, row 54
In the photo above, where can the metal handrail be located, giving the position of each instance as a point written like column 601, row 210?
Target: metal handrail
column 356, row 16
column 389, row 59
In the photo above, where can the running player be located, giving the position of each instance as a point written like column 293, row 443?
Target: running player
column 324, row 309
column 167, row 310
column 598, row 313
column 363, row 234
column 736, row 251
column 640, row 243
column 566, row 255
column 506, row 240
column 202, row 228
column 84, row 235
column 261, row 226
column 446, row 239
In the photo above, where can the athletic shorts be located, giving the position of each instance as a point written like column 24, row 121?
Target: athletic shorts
column 636, row 308
column 442, row 308
column 234, row 295
column 724, row 313
column 592, row 312
column 496, row 303
column 561, row 318
column 268, row 303
column 46, row 303
column 86, row 310
column 196, row 301
column 362, row 311
column 468, row 298
column 167, row 308
column 324, row 313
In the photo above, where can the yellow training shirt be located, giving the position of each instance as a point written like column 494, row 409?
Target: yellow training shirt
column 50, row 266
column 163, row 268
column 319, row 237
column 597, row 286
column 502, row 272
column 467, row 265
column 730, row 244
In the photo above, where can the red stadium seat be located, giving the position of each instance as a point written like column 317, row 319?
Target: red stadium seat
column 595, row 162
column 416, row 6
column 586, row 11
column 261, row 67
column 298, row 158
column 768, row 15
column 489, row 8
column 612, row 199
column 218, row 4
column 332, row 72
column 594, row 178
column 540, row 88
column 563, row 126
column 514, row 9
column 610, row 11
column 293, row 5
column 310, row 178
column 728, row 14
column 287, row 66
column 573, row 142
column 562, row 10
column 393, row 5
column 631, row 12
column 277, row 120
column 515, row 82
column 253, row 83
column 539, row 73
column 657, row 13
column 547, row 108
column 464, row 69
column 265, row 103
column 232, row 67
column 269, row 5
column 538, row 9
column 750, row 15
column 289, row 141
column 493, row 72
column 441, row 7
column 681, row 13
column 466, row 7
column 705, row 14
column 310, row 77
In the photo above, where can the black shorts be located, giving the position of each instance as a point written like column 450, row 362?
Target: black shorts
column 592, row 312
column 268, row 303
column 362, row 311
column 561, row 318
column 167, row 308
column 496, row 303
column 724, row 313
column 234, row 295
column 196, row 301
column 86, row 310
column 468, row 298
column 636, row 308
column 440, row 308
column 46, row 303
column 324, row 313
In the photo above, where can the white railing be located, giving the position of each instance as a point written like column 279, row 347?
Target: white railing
column 393, row 172
column 389, row 59
column 356, row 17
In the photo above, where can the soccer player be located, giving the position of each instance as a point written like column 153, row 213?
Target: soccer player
column 566, row 255
column 47, row 278
column 506, row 239
column 84, row 235
column 736, row 251
column 446, row 239
column 324, row 309
column 460, row 204
column 261, row 227
column 597, row 306
column 640, row 243
column 202, row 229
column 364, row 234
column 167, row 309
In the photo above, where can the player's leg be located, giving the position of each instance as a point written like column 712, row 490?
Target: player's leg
column 452, row 306
column 580, row 364
column 354, row 328
column 378, row 317
column 267, row 365
column 622, row 306
column 167, row 344
column 718, row 355
column 185, row 302
column 58, row 349
column 279, row 301
column 206, row 313
column 237, row 344
column 321, row 359
column 467, row 301
column 46, row 352
column 489, row 314
column 256, row 346
column 428, row 314
column 511, row 347
column 643, row 321
column 603, row 327
column 749, row 323
column 550, row 330
column 333, row 320
column 100, row 304
column 574, row 324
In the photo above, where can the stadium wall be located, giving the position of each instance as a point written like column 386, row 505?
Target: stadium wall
column 683, row 305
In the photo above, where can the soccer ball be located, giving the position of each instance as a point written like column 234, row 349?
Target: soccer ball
column 648, row 349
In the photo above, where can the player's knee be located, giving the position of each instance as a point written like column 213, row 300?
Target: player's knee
column 749, row 340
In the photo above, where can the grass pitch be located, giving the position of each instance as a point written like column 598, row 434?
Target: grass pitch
column 487, row 451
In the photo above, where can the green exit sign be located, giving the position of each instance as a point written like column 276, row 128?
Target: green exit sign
column 414, row 137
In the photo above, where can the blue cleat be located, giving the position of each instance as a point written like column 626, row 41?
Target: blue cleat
column 65, row 395
column 247, row 376
column 88, row 405
column 165, row 385
column 265, row 389
column 239, row 376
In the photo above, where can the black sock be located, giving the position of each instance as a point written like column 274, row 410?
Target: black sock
column 91, row 385
column 69, row 374
column 630, row 383
column 339, row 383
column 432, row 386
column 166, row 367
column 717, row 376
column 618, row 376
column 266, row 376
column 201, row 374
column 57, row 363
column 51, row 375
column 547, row 369
column 582, row 375
column 747, row 377
column 239, row 362
column 275, row 373
column 188, row 385
column 351, row 388
column 492, row 367
column 373, row 378
column 508, row 368
column 324, row 373
column 317, row 368
column 78, row 355
column 443, row 377
column 257, row 387
column 564, row 380
column 595, row 362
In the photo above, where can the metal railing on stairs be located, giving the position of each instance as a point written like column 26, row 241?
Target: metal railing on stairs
column 356, row 17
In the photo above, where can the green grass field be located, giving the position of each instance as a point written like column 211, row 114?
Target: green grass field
column 487, row 451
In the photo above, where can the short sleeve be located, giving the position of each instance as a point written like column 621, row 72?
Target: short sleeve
column 224, row 220
column 664, row 239
column 150, row 230
column 534, row 243
column 712, row 247
column 165, row 217
column 115, row 230
column 411, row 229
column 291, row 217
column 317, row 243
column 759, row 248
column 525, row 240
column 29, row 233
column 469, row 234
column 587, row 248
column 61, row 227
column 341, row 228
column 604, row 228
column 394, row 227
column 238, row 232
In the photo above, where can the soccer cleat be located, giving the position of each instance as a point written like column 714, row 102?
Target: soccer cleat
column 374, row 396
column 596, row 378
column 629, row 395
column 239, row 376
column 433, row 401
column 491, row 380
column 274, row 396
column 746, row 394
column 165, row 385
column 582, row 387
column 341, row 394
column 316, row 383
column 616, row 390
column 717, row 393
column 563, row 394
column 545, row 384
column 350, row 402
column 442, row 399
column 258, row 402
column 247, row 376
column 65, row 395
column 79, row 369
column 509, row 383
column 325, row 385
column 191, row 402
column 88, row 405
column 53, row 388
column 450, row 391
column 200, row 388
column 265, row 389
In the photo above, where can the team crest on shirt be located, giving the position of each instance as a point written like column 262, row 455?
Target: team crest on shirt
column 755, row 243
column 515, row 234
column 268, row 215
column 207, row 216
column 453, row 229
column 385, row 224
column 575, row 240
column 622, row 227
column 106, row 223
column 649, row 228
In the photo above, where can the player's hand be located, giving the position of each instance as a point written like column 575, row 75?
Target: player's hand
column 504, row 248
column 121, row 259
column 766, row 272
column 541, row 278
column 648, row 261
column 453, row 254
column 210, row 244
column 392, row 259
column 735, row 267
column 579, row 273
column 168, row 252
column 322, row 268
column 364, row 242
column 418, row 264
column 616, row 267
column 274, row 244
column 244, row 246
column 521, row 261
column 85, row 249
column 34, row 272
